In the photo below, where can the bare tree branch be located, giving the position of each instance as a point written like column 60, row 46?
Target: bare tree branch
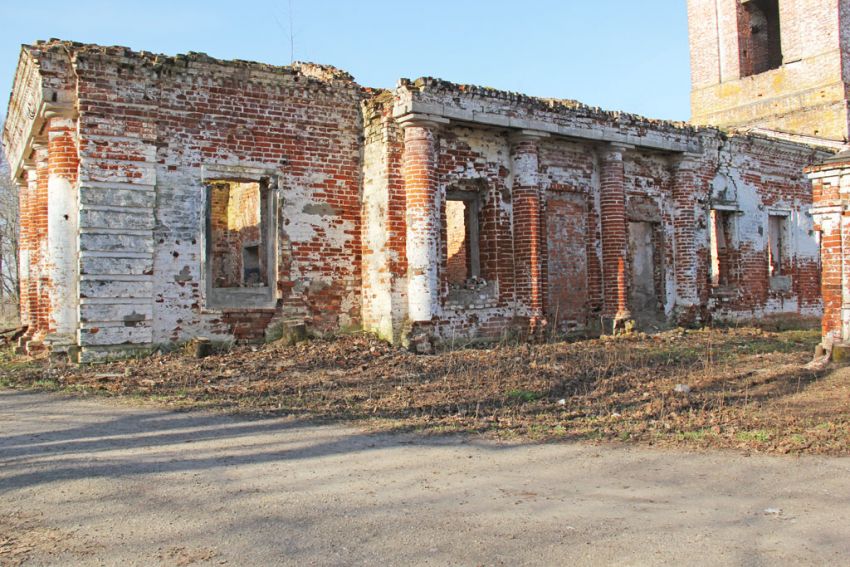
column 9, row 234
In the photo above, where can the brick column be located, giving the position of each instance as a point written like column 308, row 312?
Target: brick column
column 34, row 250
column 685, row 181
column 26, row 188
column 62, row 269
column 528, row 228
column 419, row 170
column 831, row 215
column 615, row 287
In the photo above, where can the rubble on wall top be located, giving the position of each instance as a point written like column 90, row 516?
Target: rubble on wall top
column 434, row 85
column 375, row 98
column 323, row 73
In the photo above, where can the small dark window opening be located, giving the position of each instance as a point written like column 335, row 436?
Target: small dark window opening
column 777, row 252
column 462, row 237
column 251, row 265
column 759, row 36
column 721, row 236
column 237, row 218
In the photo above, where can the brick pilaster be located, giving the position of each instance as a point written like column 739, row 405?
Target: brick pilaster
column 26, row 186
column 614, row 237
column 832, row 218
column 528, row 228
column 685, row 181
column 419, row 170
column 38, row 299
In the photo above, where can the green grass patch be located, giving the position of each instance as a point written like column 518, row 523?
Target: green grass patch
column 695, row 435
column 46, row 384
column 758, row 435
column 524, row 396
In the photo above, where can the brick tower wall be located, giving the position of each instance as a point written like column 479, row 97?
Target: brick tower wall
column 806, row 95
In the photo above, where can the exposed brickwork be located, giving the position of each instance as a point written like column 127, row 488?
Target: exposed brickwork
column 831, row 181
column 735, row 84
column 34, row 248
column 567, row 271
column 248, row 324
column 152, row 129
column 422, row 198
column 457, row 243
column 612, row 209
column 528, row 228
column 582, row 219
column 235, row 221
column 685, row 263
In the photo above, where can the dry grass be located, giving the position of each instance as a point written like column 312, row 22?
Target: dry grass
column 748, row 388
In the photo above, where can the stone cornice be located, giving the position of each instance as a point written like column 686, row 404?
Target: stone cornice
column 32, row 137
column 449, row 113
column 421, row 120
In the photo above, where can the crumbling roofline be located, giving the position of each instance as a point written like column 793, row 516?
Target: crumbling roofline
column 79, row 52
column 28, row 109
column 554, row 105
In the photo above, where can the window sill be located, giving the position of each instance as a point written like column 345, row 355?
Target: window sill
column 725, row 291
column 241, row 298
column 484, row 297
column 780, row 284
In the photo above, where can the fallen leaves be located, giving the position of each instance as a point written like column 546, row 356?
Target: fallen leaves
column 701, row 388
column 23, row 535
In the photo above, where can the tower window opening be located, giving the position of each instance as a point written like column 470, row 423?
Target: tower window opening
column 760, row 38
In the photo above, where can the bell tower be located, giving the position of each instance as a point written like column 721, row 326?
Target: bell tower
column 779, row 65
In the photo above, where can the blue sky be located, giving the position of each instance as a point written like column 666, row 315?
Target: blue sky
column 629, row 55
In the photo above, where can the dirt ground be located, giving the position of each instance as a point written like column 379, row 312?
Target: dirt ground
column 96, row 482
column 742, row 388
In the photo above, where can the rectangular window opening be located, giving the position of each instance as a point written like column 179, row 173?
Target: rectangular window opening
column 238, row 232
column 777, row 249
column 462, row 242
column 722, row 242
column 760, row 38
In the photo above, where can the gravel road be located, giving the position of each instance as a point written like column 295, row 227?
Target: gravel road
column 95, row 482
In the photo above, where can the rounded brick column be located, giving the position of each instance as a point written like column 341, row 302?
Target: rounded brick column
column 528, row 228
column 38, row 298
column 831, row 215
column 422, row 195
column 26, row 192
column 685, row 180
column 615, row 238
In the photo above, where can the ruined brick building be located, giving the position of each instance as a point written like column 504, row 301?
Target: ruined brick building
column 165, row 198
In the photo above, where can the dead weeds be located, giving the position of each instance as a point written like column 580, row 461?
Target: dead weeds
column 738, row 388
column 24, row 536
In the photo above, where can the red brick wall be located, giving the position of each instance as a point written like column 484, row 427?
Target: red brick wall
column 734, row 86
column 36, row 241
column 831, row 222
column 183, row 114
column 155, row 130
column 612, row 211
column 674, row 194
